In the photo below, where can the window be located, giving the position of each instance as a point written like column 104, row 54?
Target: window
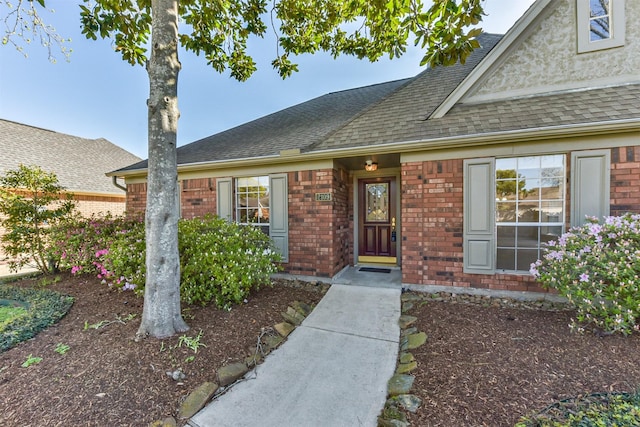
column 252, row 201
column 529, row 208
column 601, row 24
column 260, row 201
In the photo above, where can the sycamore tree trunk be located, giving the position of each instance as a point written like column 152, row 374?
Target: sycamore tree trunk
column 161, row 315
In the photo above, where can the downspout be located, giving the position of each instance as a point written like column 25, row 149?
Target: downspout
column 114, row 180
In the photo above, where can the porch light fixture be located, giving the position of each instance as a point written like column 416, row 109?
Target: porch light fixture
column 370, row 165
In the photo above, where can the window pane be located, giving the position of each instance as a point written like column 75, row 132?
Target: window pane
column 528, row 237
column 551, row 212
column 525, row 258
column 506, row 211
column 506, row 259
column 507, row 236
column 599, row 29
column 528, row 212
column 598, row 8
column 377, row 203
column 549, row 233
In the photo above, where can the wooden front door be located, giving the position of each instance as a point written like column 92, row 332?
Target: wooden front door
column 377, row 218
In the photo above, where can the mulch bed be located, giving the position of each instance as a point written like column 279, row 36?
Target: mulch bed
column 488, row 366
column 108, row 379
column 481, row 366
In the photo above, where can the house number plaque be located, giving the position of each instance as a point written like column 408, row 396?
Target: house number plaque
column 323, row 197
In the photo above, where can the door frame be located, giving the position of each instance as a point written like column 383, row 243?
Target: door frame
column 380, row 173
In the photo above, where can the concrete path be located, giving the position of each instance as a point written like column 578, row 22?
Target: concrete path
column 331, row 371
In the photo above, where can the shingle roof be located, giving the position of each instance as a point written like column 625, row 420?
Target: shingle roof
column 296, row 127
column 80, row 164
column 395, row 117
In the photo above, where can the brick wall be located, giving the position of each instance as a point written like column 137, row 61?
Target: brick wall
column 319, row 244
column 432, row 227
column 625, row 180
column 136, row 198
column 198, row 197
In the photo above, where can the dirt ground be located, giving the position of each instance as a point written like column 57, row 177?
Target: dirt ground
column 108, row 379
column 487, row 366
column 481, row 366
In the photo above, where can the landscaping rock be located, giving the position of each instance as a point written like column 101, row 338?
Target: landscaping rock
column 405, row 368
column 406, row 321
column 408, row 331
column 407, row 306
column 413, row 297
column 230, row 373
column 302, row 308
column 400, row 384
column 167, row 422
column 284, row 328
column 409, row 402
column 407, row 358
column 197, row 399
column 416, row 340
column 273, row 341
column 292, row 316
column 253, row 360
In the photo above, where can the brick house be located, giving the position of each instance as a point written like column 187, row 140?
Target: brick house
column 456, row 175
column 80, row 164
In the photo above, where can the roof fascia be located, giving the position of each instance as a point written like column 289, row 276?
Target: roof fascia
column 504, row 137
column 516, row 33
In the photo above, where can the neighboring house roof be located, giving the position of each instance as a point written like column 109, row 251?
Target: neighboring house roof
column 79, row 163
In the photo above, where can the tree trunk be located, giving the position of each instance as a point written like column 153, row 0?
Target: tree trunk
column 161, row 315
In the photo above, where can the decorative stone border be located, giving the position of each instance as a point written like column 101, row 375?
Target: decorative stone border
column 227, row 376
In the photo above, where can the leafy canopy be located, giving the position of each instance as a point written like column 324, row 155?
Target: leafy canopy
column 220, row 29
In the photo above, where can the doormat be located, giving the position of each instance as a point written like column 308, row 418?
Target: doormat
column 375, row 270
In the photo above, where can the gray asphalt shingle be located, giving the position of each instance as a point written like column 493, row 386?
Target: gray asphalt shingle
column 79, row 163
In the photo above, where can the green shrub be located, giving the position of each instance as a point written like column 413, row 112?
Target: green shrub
column 596, row 267
column 45, row 308
column 220, row 262
column 596, row 410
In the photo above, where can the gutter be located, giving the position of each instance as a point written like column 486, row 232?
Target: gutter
column 502, row 137
column 114, row 181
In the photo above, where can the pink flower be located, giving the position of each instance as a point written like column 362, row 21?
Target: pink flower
column 75, row 269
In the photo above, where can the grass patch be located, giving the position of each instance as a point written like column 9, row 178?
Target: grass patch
column 595, row 410
column 40, row 308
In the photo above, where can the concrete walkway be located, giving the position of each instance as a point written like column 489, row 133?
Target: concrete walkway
column 331, row 371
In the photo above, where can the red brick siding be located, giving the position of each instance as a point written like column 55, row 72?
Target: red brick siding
column 625, row 180
column 318, row 240
column 136, row 198
column 198, row 197
column 432, row 214
column 432, row 209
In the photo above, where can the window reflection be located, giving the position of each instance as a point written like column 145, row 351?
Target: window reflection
column 529, row 208
column 377, row 202
column 599, row 20
column 252, row 200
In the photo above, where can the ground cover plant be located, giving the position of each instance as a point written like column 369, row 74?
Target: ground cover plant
column 31, row 311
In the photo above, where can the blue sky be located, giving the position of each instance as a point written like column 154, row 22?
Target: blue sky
column 97, row 94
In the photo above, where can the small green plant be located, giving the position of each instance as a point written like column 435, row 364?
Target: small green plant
column 31, row 360
column 61, row 348
column 8, row 314
column 597, row 268
column 46, row 281
column 192, row 343
column 103, row 323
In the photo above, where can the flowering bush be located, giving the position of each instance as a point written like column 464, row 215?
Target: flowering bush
column 219, row 261
column 596, row 266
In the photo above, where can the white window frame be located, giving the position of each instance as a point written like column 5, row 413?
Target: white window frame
column 617, row 24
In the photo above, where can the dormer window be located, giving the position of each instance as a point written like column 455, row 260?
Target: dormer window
column 601, row 24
